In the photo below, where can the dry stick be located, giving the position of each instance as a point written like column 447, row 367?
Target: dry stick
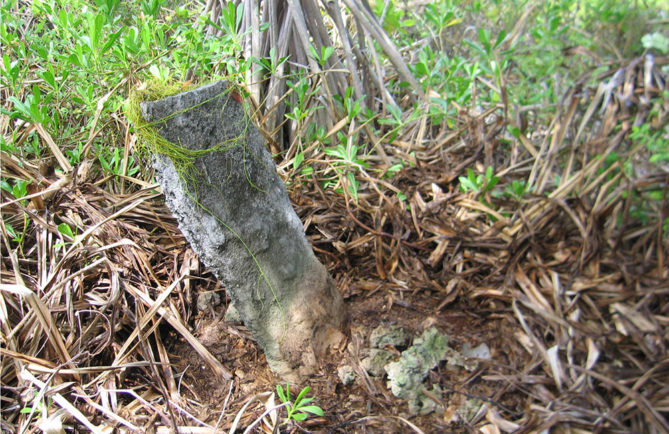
column 113, row 416
column 320, row 34
column 271, row 15
column 334, row 62
column 144, row 320
column 302, row 35
column 62, row 402
column 574, row 146
column 552, row 152
column 175, row 322
column 642, row 402
column 541, row 349
column 256, row 49
column 64, row 163
column 209, row 6
column 335, row 14
column 85, row 235
column 376, row 75
column 335, row 84
column 637, row 385
column 539, row 155
column 277, row 82
column 567, row 185
column 10, row 337
column 55, row 338
column 165, row 367
column 225, row 405
column 369, row 22
column 149, row 355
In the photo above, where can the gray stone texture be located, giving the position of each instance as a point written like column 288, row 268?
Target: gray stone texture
column 238, row 218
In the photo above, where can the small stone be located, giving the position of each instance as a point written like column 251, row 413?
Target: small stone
column 375, row 362
column 346, row 374
column 479, row 352
column 388, row 335
column 470, row 409
column 232, row 314
column 423, row 405
column 207, row 299
column 405, row 377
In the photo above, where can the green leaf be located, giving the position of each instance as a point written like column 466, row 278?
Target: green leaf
column 353, row 185
column 500, row 38
column 49, row 77
column 104, row 164
column 112, row 40
column 657, row 41
column 466, row 184
column 282, row 394
column 10, row 230
column 301, row 394
column 302, row 402
column 5, row 186
column 313, row 409
column 65, row 229
column 515, row 131
column 21, row 107
column 484, row 37
column 299, row 158
column 299, row 416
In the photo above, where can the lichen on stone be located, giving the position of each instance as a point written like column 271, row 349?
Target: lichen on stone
column 405, row 376
column 388, row 335
column 376, row 361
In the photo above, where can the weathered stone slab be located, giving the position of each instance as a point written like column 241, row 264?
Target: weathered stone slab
column 237, row 215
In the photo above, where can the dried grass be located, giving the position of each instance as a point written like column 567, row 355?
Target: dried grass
column 83, row 321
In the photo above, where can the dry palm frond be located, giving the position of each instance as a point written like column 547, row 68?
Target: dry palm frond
column 297, row 27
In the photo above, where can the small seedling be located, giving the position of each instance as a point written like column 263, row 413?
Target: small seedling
column 478, row 183
column 298, row 410
column 65, row 230
column 517, row 189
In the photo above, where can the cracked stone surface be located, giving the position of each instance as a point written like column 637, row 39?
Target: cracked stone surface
column 406, row 376
column 237, row 216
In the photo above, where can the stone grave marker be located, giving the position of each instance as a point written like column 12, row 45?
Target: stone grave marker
column 235, row 211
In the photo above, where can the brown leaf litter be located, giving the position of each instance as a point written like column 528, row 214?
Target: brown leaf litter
column 566, row 286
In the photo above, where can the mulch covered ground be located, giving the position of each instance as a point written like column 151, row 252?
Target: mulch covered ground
column 567, row 286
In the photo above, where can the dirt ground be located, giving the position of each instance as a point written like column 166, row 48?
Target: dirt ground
column 346, row 406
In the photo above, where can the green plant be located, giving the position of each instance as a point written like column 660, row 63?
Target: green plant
column 656, row 41
column 112, row 162
column 297, row 410
column 34, row 108
column 351, row 105
column 306, row 171
column 323, row 56
column 517, row 189
column 152, row 7
column 65, row 230
column 480, row 184
column 303, row 91
column 271, row 64
column 40, row 408
column 18, row 190
column 347, row 162
column 74, row 155
column 396, row 122
column 656, row 142
column 12, row 73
